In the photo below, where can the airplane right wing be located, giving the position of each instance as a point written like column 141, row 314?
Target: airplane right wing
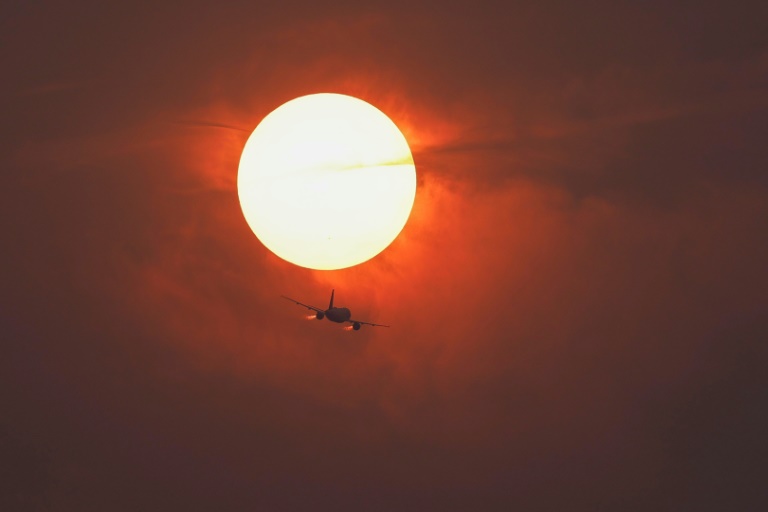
column 305, row 305
column 366, row 323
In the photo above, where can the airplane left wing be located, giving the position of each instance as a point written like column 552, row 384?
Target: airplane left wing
column 305, row 305
column 366, row 323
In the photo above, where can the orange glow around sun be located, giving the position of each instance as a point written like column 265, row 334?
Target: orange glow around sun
column 326, row 181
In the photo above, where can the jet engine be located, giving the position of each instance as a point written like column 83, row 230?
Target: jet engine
column 356, row 326
column 319, row 315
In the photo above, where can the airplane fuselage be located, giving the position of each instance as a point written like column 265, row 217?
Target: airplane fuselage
column 338, row 315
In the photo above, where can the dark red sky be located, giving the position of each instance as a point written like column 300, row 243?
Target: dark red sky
column 579, row 300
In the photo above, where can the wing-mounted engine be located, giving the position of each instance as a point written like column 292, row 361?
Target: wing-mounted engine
column 356, row 326
column 319, row 315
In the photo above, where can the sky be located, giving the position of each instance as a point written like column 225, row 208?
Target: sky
column 579, row 300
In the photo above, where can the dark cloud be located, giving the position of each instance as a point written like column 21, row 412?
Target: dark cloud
column 578, row 300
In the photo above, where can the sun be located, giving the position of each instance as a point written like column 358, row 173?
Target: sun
column 326, row 181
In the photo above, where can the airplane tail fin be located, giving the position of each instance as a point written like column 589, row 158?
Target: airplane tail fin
column 330, row 306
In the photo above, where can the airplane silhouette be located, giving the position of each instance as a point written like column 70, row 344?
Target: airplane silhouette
column 335, row 314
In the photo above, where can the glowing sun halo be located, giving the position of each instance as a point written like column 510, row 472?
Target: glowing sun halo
column 326, row 181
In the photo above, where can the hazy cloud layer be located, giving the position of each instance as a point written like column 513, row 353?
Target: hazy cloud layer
column 578, row 300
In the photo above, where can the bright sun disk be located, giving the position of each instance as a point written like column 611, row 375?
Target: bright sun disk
column 326, row 181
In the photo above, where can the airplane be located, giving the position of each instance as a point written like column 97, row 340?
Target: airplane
column 335, row 314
